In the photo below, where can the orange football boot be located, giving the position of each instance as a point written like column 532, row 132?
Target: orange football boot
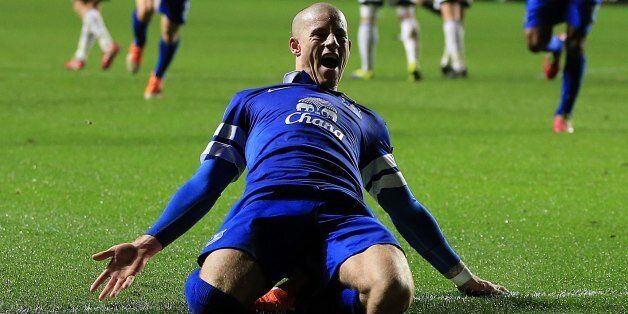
column 75, row 64
column 275, row 300
column 154, row 87
column 134, row 58
column 551, row 65
column 562, row 125
column 108, row 57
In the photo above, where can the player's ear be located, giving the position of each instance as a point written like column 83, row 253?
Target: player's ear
column 295, row 47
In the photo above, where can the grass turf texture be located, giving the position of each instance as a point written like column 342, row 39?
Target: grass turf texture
column 87, row 163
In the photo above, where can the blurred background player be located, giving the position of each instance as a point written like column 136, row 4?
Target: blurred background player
column 367, row 36
column 173, row 16
column 541, row 16
column 93, row 29
column 453, row 63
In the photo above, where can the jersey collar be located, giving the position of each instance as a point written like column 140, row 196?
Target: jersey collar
column 298, row 77
column 301, row 77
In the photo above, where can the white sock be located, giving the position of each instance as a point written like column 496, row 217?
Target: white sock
column 445, row 60
column 99, row 29
column 86, row 40
column 451, row 44
column 409, row 33
column 460, row 43
column 367, row 36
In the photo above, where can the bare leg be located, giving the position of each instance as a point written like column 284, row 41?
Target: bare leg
column 145, row 10
column 382, row 276
column 538, row 37
column 169, row 30
column 235, row 273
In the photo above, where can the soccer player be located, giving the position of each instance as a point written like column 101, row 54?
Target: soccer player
column 453, row 62
column 541, row 16
column 368, row 36
column 173, row 17
column 93, row 29
column 309, row 150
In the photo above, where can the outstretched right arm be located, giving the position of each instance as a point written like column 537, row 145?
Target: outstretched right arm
column 222, row 162
column 193, row 200
column 188, row 205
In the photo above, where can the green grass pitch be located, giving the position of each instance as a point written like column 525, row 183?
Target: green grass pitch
column 86, row 163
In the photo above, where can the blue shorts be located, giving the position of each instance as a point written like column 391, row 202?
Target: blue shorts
column 175, row 10
column 286, row 234
column 576, row 13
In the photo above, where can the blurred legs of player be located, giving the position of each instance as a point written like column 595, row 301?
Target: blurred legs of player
column 540, row 19
column 173, row 16
column 453, row 61
column 367, row 40
column 93, row 28
column 142, row 15
column 573, row 73
column 410, row 37
column 368, row 37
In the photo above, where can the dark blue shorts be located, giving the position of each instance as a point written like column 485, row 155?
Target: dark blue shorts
column 175, row 10
column 287, row 235
column 576, row 13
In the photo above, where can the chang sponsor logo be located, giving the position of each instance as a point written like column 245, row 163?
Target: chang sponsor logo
column 316, row 111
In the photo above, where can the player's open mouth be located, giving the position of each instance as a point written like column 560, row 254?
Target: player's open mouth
column 330, row 60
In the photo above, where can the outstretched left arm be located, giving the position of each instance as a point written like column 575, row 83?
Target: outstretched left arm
column 417, row 225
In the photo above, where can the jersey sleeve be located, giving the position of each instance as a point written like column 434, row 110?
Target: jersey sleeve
column 229, row 139
column 378, row 167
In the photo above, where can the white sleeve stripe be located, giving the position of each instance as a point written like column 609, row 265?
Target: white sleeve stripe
column 231, row 132
column 226, row 152
column 393, row 180
column 376, row 166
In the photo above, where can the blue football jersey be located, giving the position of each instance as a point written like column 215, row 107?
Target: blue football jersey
column 300, row 135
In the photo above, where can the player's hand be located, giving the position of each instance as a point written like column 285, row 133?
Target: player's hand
column 127, row 261
column 477, row 287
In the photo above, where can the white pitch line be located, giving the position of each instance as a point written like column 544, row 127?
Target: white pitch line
column 535, row 295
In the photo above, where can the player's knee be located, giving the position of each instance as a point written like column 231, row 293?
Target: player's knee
column 401, row 293
column 405, row 12
column 169, row 37
column 78, row 7
column 169, row 31
column 575, row 47
column 145, row 11
column 395, row 293
column 534, row 45
column 368, row 14
column 409, row 29
column 533, row 39
column 202, row 297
